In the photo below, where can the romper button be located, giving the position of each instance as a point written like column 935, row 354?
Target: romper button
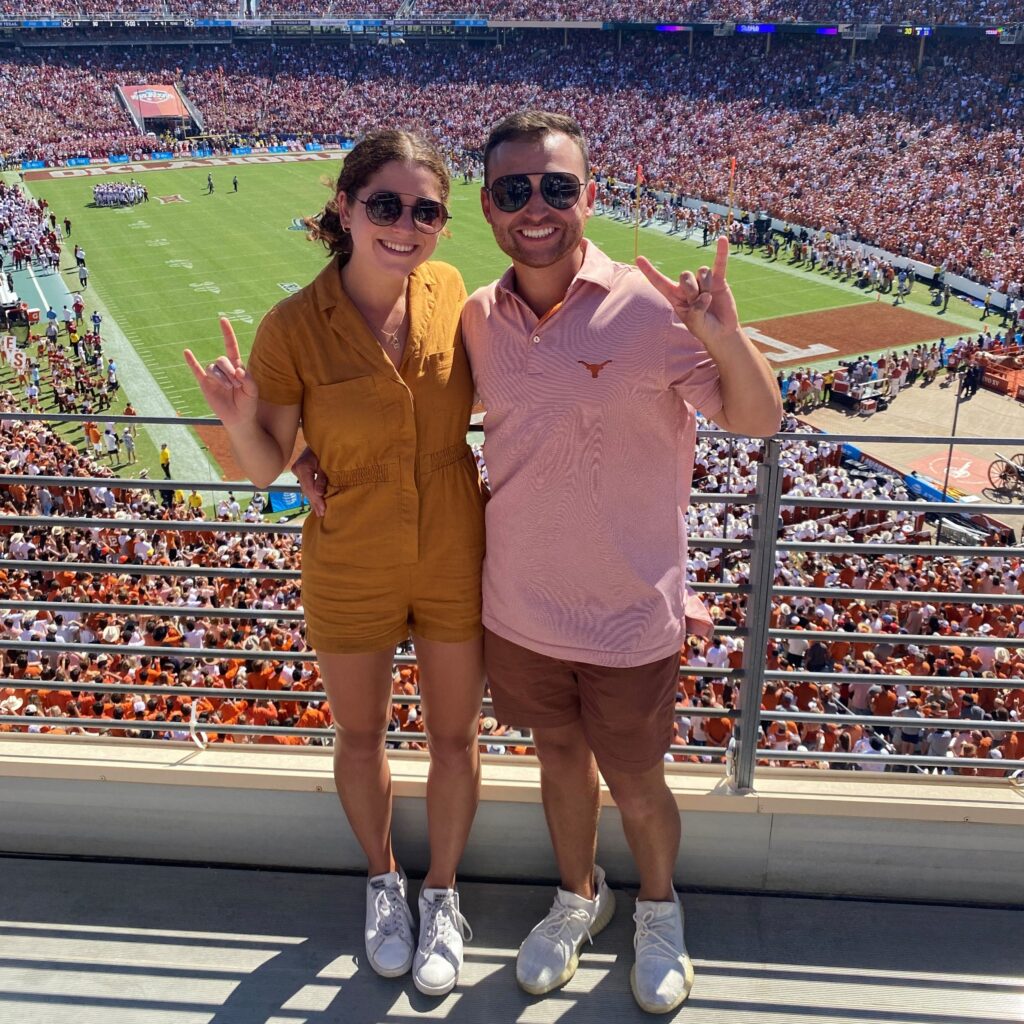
column 536, row 340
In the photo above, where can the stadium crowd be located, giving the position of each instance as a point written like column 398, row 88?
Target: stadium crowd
column 924, row 164
column 922, row 12
column 942, row 677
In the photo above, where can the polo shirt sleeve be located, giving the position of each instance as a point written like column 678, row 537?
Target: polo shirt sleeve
column 690, row 370
column 272, row 362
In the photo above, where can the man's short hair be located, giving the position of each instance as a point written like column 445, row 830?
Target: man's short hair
column 535, row 124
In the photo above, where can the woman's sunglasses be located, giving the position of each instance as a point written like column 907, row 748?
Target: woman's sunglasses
column 384, row 208
column 559, row 189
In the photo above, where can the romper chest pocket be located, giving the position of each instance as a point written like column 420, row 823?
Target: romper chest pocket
column 437, row 368
column 343, row 421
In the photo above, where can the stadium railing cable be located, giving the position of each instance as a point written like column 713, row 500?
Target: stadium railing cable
column 762, row 546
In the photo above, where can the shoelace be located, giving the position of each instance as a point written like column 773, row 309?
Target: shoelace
column 648, row 936
column 443, row 922
column 556, row 924
column 390, row 909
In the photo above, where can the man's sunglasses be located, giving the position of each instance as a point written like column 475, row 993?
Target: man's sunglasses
column 384, row 208
column 559, row 189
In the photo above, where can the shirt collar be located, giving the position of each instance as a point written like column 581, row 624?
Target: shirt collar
column 597, row 268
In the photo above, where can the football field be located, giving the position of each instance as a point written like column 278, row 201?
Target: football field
column 165, row 270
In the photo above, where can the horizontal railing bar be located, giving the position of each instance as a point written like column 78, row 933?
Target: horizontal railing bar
column 726, row 543
column 861, row 548
column 952, row 596
column 931, row 682
column 910, row 724
column 919, row 760
column 710, row 587
column 948, row 507
column 391, row 736
column 918, row 639
column 213, row 692
column 148, row 569
column 119, row 483
column 397, row 736
column 76, row 417
column 840, row 438
column 46, row 647
column 722, row 498
column 163, row 525
column 37, row 416
column 185, row 611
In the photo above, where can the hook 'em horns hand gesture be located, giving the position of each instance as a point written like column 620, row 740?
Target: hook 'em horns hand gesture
column 703, row 301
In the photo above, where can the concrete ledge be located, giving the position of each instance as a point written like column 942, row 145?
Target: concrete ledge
column 870, row 835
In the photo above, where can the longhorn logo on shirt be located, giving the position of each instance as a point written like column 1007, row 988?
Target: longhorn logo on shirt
column 594, row 368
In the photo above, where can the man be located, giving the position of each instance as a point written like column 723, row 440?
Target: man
column 209, row 184
column 83, row 276
column 589, row 378
column 97, row 322
column 165, row 460
column 234, row 183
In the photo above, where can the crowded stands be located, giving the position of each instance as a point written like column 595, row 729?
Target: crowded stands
column 940, row 686
column 864, row 148
column 890, row 12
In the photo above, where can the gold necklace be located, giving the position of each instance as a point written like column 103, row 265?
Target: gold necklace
column 391, row 337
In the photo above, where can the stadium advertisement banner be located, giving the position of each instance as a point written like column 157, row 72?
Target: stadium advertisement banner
column 282, row 501
column 78, row 161
column 161, row 154
column 118, row 158
column 314, row 147
column 277, row 149
column 241, row 150
column 154, row 100
column 32, row 165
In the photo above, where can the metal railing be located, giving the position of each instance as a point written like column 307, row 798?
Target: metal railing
column 761, row 549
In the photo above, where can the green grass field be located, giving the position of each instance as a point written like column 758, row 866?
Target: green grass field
column 167, row 271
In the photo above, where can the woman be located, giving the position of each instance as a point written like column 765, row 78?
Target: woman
column 369, row 359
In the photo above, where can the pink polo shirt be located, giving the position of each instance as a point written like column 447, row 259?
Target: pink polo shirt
column 589, row 442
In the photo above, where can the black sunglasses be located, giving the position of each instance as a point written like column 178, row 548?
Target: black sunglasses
column 559, row 189
column 384, row 208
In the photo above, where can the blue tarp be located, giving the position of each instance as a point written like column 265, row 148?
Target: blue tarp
column 281, row 501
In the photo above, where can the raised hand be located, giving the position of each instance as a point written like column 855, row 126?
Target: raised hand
column 312, row 481
column 703, row 301
column 229, row 390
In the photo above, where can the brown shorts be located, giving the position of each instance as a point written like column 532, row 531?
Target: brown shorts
column 626, row 714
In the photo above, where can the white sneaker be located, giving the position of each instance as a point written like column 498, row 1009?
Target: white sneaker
column 662, row 975
column 389, row 944
column 550, row 954
column 443, row 929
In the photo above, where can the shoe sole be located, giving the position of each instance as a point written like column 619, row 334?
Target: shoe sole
column 428, row 990
column 390, row 972
column 650, row 1007
column 600, row 923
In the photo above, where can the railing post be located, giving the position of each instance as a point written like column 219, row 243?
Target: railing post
column 759, row 604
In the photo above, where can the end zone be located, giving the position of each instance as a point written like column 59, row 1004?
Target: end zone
column 846, row 331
